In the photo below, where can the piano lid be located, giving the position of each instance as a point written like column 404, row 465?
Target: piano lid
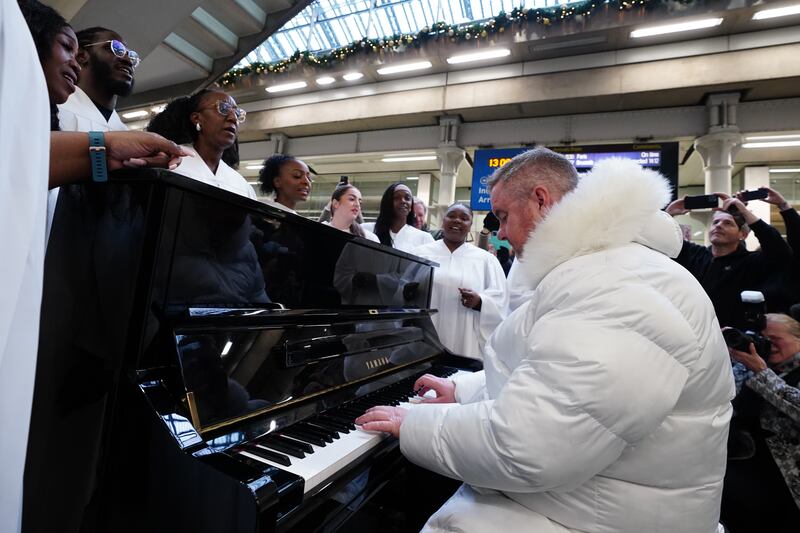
column 159, row 244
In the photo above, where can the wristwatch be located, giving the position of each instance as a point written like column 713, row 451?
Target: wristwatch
column 97, row 154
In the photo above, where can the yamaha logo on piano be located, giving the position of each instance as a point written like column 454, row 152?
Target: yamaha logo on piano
column 377, row 363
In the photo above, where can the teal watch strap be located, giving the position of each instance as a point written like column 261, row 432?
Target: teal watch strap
column 97, row 153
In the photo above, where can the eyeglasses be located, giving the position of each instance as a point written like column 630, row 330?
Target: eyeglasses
column 119, row 50
column 224, row 108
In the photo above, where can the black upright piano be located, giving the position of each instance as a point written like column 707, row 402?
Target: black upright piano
column 203, row 356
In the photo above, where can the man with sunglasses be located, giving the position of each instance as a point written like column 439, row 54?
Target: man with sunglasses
column 107, row 72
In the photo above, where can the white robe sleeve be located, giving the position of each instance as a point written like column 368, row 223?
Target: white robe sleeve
column 24, row 160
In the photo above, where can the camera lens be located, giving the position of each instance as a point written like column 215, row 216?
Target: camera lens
column 736, row 339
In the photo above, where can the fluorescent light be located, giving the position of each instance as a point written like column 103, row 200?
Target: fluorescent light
column 419, row 65
column 135, row 114
column 479, row 56
column 286, row 87
column 772, row 144
column 777, row 12
column 771, row 137
column 352, row 76
column 409, row 158
column 254, row 167
column 325, row 80
column 412, row 178
column 673, row 28
column 158, row 109
column 227, row 348
column 784, row 170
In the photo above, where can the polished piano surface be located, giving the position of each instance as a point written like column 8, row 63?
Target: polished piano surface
column 203, row 357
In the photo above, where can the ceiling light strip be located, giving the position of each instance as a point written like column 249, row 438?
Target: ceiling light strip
column 777, row 12
column 675, row 28
column 396, row 69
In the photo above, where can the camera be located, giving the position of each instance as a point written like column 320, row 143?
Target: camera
column 754, row 321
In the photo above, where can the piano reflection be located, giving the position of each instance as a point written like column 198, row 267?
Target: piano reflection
column 203, row 357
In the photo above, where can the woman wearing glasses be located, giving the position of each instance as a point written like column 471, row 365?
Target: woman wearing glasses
column 209, row 122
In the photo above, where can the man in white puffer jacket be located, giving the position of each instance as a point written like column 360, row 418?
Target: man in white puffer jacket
column 605, row 398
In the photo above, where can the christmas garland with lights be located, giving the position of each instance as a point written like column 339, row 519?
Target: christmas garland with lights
column 398, row 43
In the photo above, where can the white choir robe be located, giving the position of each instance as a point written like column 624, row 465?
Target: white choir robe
column 79, row 113
column 465, row 331
column 24, row 162
column 407, row 239
column 225, row 178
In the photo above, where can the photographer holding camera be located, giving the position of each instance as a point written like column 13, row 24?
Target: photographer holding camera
column 726, row 268
column 762, row 492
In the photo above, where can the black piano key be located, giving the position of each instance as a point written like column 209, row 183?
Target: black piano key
column 288, row 449
column 300, row 445
column 322, row 432
column 329, row 424
column 350, row 411
column 269, row 455
column 298, row 434
column 340, row 419
column 330, row 419
column 345, row 415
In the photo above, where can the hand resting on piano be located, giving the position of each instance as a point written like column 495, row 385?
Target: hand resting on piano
column 388, row 419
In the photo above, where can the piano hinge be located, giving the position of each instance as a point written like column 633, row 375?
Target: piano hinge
column 193, row 410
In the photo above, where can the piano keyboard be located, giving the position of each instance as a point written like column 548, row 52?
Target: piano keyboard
column 319, row 446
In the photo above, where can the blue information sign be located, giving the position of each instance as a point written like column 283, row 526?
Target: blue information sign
column 486, row 162
column 659, row 156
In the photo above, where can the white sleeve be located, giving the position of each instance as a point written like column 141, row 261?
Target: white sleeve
column 470, row 387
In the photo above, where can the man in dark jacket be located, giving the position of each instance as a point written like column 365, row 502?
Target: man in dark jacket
column 726, row 268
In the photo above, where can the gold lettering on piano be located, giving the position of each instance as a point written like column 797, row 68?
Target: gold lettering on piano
column 377, row 363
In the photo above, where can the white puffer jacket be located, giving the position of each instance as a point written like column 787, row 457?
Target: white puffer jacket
column 605, row 400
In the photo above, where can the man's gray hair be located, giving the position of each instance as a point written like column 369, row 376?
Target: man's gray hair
column 534, row 167
column 418, row 201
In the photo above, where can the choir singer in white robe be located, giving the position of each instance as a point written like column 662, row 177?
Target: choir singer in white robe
column 469, row 287
column 24, row 159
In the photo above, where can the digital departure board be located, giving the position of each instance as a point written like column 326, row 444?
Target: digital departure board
column 662, row 157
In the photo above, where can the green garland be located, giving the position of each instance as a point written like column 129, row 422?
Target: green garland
column 439, row 31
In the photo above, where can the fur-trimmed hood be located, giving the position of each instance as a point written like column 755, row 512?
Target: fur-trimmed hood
column 617, row 203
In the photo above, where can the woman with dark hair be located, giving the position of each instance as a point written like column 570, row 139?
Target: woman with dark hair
column 345, row 208
column 395, row 223
column 469, row 286
column 288, row 178
column 57, row 48
column 208, row 122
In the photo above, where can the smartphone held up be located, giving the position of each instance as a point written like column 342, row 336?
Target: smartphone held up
column 702, row 201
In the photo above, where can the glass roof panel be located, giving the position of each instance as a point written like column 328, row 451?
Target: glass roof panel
column 328, row 24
